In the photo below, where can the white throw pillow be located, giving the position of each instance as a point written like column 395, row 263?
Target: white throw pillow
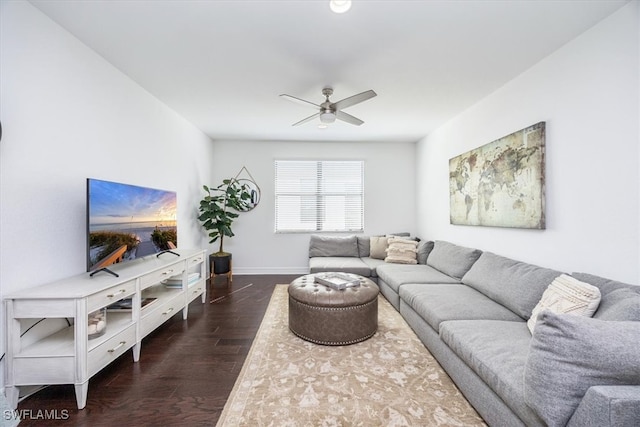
column 401, row 251
column 567, row 295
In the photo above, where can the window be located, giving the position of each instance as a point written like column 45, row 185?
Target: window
column 319, row 195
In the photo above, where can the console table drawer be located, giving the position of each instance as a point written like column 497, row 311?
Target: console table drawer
column 160, row 275
column 160, row 314
column 109, row 350
column 195, row 291
column 111, row 295
column 195, row 260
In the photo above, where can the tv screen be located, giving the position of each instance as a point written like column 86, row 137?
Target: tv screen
column 126, row 222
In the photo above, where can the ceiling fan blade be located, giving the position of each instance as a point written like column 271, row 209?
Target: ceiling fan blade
column 348, row 118
column 353, row 100
column 308, row 119
column 299, row 101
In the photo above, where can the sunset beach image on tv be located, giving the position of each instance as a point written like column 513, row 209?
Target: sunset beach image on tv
column 125, row 222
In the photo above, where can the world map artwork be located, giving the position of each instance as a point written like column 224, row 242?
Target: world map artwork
column 501, row 184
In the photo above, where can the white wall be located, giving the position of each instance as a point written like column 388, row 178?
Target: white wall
column 587, row 92
column 389, row 202
column 67, row 115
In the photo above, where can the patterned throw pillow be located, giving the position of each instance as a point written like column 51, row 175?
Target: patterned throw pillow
column 567, row 295
column 401, row 251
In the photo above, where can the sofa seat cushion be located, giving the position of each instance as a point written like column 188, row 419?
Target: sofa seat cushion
column 439, row 303
column 373, row 264
column 496, row 351
column 514, row 284
column 395, row 275
column 342, row 264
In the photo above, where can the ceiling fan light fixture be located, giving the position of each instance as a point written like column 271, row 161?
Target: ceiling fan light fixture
column 327, row 117
column 340, row 6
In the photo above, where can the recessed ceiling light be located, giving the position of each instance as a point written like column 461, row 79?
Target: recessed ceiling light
column 340, row 6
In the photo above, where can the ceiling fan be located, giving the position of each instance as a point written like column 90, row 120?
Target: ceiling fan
column 329, row 111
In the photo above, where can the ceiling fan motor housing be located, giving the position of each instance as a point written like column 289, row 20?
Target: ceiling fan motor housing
column 330, row 111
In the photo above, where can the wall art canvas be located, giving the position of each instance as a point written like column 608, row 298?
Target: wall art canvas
column 501, row 184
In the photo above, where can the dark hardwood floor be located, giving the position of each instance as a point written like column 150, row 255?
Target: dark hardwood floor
column 186, row 368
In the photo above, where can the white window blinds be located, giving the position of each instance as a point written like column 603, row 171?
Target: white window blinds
column 319, row 195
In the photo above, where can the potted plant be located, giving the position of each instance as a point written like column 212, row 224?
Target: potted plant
column 217, row 215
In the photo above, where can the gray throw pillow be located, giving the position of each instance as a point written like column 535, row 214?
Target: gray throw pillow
column 320, row 246
column 569, row 354
column 424, row 249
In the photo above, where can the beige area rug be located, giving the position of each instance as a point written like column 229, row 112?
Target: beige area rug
column 389, row 380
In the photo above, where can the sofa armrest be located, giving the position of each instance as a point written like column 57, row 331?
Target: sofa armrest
column 617, row 406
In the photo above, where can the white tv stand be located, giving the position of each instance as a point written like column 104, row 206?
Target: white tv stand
column 68, row 356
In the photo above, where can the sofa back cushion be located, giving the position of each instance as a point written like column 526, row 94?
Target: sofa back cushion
column 619, row 301
column 514, row 284
column 320, row 246
column 451, row 259
column 364, row 244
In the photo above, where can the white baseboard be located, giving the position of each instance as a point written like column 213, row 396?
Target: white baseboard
column 271, row 270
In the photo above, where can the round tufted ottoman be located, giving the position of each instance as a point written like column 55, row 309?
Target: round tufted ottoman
column 323, row 315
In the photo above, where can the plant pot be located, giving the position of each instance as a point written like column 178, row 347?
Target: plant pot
column 220, row 263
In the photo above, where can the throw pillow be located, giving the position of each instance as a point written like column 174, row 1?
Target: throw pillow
column 401, row 251
column 378, row 247
column 423, row 250
column 569, row 354
column 567, row 295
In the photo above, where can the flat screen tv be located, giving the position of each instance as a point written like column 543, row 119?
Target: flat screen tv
column 126, row 222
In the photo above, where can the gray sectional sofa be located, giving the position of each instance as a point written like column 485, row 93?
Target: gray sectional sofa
column 470, row 309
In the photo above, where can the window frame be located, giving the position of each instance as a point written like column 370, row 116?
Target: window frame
column 320, row 195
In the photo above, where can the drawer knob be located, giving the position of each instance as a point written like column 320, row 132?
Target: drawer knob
column 167, row 272
column 117, row 347
column 168, row 311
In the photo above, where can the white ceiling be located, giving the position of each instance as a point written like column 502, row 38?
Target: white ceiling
column 222, row 64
